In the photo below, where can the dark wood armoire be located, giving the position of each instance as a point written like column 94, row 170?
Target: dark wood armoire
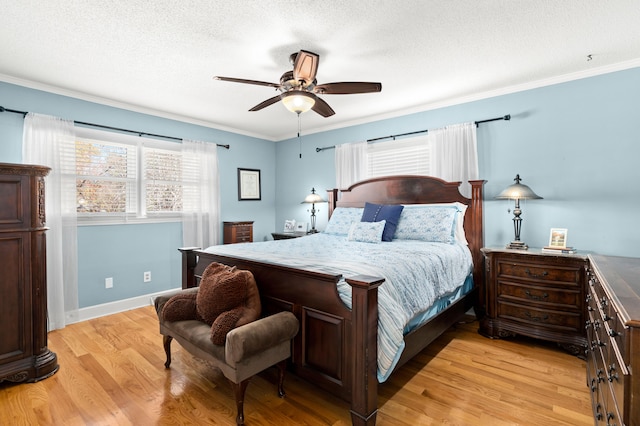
column 24, row 355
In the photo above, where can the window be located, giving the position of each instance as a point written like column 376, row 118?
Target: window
column 409, row 156
column 121, row 178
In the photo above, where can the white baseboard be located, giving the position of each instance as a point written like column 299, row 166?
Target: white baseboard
column 117, row 306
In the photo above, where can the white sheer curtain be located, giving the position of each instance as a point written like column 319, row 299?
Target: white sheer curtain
column 50, row 141
column 201, row 197
column 454, row 154
column 351, row 164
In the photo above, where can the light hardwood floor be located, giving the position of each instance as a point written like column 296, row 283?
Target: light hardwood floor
column 112, row 373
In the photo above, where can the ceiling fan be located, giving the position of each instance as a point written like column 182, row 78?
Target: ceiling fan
column 299, row 86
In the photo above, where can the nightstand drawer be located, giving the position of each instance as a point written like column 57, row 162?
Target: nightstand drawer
column 243, row 231
column 243, row 238
column 539, row 272
column 542, row 317
column 549, row 296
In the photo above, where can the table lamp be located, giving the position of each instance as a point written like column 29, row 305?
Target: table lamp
column 517, row 192
column 313, row 199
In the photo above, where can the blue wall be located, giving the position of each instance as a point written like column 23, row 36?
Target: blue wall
column 124, row 252
column 576, row 144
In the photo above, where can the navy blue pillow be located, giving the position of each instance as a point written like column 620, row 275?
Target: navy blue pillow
column 378, row 212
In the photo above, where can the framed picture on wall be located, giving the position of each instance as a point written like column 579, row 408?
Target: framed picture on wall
column 248, row 184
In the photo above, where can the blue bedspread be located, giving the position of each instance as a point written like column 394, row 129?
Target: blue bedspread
column 416, row 274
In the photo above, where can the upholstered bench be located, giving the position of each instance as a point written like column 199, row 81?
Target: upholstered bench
column 248, row 350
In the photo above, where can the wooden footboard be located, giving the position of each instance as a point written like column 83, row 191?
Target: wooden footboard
column 336, row 348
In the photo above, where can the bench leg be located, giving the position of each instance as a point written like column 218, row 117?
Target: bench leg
column 282, row 367
column 166, row 341
column 238, row 390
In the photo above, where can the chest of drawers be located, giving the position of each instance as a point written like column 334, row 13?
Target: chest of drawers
column 536, row 294
column 24, row 355
column 613, row 334
column 238, row 232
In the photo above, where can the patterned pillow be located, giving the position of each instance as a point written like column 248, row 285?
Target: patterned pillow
column 378, row 212
column 342, row 218
column 459, row 233
column 433, row 223
column 366, row 232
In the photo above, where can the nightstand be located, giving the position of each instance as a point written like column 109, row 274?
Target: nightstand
column 238, row 232
column 287, row 235
column 536, row 294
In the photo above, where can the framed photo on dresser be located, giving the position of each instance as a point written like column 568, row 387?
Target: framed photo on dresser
column 558, row 238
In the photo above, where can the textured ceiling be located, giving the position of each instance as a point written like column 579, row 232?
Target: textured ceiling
column 160, row 56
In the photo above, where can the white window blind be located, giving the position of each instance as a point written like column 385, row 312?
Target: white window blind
column 162, row 180
column 409, row 156
column 105, row 177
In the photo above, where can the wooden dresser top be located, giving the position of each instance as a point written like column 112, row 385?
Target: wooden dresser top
column 622, row 275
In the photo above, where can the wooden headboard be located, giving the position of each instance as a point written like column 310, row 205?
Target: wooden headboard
column 410, row 189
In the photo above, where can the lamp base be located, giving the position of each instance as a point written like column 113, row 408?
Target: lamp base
column 312, row 231
column 517, row 245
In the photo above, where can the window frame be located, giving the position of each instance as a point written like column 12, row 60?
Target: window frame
column 140, row 215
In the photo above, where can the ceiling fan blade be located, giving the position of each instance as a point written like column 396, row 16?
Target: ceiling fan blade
column 305, row 66
column 266, row 103
column 322, row 108
column 347, row 88
column 241, row 80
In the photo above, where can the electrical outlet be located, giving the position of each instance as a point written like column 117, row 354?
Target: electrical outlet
column 108, row 282
column 147, row 276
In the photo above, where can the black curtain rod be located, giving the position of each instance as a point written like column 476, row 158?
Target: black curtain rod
column 506, row 117
column 24, row 114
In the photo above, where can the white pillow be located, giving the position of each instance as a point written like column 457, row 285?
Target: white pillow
column 366, row 232
column 342, row 218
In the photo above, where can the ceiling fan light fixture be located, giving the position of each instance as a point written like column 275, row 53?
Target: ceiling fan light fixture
column 297, row 101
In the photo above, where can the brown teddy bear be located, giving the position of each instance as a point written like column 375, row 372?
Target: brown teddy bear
column 227, row 298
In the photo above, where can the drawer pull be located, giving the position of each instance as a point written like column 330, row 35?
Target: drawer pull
column 534, row 297
column 537, row 319
column 598, row 413
column 544, row 274
column 612, row 373
column 609, row 417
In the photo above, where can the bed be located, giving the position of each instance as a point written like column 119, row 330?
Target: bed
column 338, row 347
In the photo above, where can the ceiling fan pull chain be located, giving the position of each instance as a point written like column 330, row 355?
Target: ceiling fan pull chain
column 299, row 140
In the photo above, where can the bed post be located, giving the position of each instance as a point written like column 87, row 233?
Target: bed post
column 332, row 199
column 364, row 349
column 189, row 261
column 477, row 241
